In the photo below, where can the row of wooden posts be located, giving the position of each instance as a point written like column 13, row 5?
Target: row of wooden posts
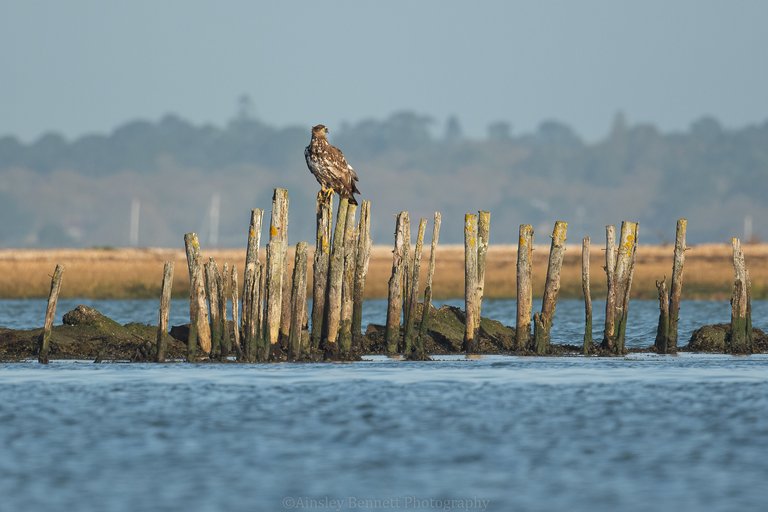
column 274, row 313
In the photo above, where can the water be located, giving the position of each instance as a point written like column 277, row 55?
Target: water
column 643, row 432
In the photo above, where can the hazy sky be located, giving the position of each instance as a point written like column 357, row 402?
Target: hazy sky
column 79, row 66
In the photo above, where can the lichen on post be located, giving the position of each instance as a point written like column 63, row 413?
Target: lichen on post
column 625, row 269
column 321, row 262
column 524, row 288
column 471, row 343
column 543, row 320
column 276, row 250
column 587, row 295
column 199, row 329
column 50, row 314
column 483, row 233
column 610, row 298
column 419, row 352
column 165, row 307
column 395, row 289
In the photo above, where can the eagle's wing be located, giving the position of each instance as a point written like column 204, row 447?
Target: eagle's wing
column 342, row 166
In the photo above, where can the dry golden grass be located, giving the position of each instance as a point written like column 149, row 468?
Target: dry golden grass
column 134, row 273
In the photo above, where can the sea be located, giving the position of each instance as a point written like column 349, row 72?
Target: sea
column 500, row 433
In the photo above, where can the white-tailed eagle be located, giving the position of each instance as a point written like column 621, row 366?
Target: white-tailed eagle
column 330, row 168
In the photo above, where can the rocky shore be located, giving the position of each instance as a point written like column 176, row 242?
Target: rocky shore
column 87, row 334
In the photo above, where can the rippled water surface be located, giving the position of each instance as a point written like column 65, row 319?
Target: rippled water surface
column 496, row 433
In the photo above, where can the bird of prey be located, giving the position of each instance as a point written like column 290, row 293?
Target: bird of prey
column 330, row 168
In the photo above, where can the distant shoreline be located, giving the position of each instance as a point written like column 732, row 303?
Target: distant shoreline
column 123, row 273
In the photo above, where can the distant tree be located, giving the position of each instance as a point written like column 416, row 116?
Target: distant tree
column 453, row 132
column 499, row 131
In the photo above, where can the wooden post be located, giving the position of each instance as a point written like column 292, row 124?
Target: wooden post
column 276, row 249
column 223, row 285
column 251, row 306
column 298, row 301
column 543, row 324
column 361, row 266
column 50, row 314
column 610, row 298
column 233, row 288
column 321, row 263
column 212, row 290
column 662, row 331
column 524, row 288
column 587, row 295
column 395, row 293
column 261, row 313
column 285, row 315
column 470, row 284
column 420, row 352
column 483, row 232
column 407, row 268
column 740, row 339
column 165, row 307
column 676, row 290
column 410, row 329
column 335, row 279
column 625, row 265
column 348, row 282
column 251, row 261
column 199, row 329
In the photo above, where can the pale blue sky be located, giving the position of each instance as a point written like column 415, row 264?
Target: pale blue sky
column 80, row 66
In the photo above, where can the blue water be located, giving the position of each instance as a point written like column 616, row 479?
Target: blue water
column 502, row 433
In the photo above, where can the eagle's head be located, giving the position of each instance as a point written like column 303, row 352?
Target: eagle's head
column 319, row 131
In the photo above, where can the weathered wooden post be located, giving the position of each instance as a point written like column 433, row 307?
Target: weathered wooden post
column 407, row 268
column 587, row 295
column 420, row 353
column 662, row 331
column 212, row 291
column 335, row 281
column 524, row 288
column 483, row 232
column 395, row 293
column 471, row 343
column 676, row 290
column 348, row 282
column 286, row 308
column 625, row 268
column 276, row 249
column 299, row 301
column 361, row 266
column 321, row 262
column 261, row 312
column 223, row 286
column 50, row 314
column 165, row 309
column 233, row 288
column 251, row 303
column 610, row 298
column 410, row 329
column 543, row 320
column 199, row 329
column 740, row 339
column 251, row 260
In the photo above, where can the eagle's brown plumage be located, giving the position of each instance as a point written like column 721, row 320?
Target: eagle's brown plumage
column 328, row 165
